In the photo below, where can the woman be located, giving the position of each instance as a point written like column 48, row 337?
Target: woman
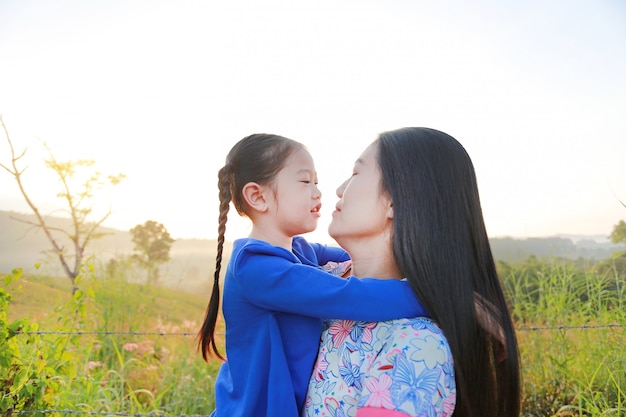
column 411, row 209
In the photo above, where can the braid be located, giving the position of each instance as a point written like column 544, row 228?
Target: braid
column 207, row 332
column 225, row 197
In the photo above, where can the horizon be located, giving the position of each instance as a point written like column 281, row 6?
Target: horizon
column 598, row 238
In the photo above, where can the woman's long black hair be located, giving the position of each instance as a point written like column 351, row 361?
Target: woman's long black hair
column 440, row 244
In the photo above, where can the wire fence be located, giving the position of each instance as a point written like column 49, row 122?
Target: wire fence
column 66, row 412
column 104, row 333
column 193, row 334
column 101, row 413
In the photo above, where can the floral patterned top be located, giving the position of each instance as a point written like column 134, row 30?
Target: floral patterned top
column 393, row 368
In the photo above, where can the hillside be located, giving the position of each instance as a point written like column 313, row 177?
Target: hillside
column 36, row 297
column 571, row 247
column 22, row 245
column 193, row 260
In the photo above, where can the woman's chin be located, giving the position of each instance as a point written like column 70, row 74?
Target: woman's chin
column 336, row 236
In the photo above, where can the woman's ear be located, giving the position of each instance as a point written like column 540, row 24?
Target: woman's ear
column 390, row 210
column 254, row 196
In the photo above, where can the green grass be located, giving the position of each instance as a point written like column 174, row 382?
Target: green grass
column 142, row 370
column 575, row 365
column 573, row 361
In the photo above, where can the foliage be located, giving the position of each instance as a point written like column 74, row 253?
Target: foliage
column 570, row 353
column 618, row 235
column 124, row 357
column 27, row 384
column 135, row 352
column 153, row 243
column 617, row 262
column 615, row 265
column 78, row 202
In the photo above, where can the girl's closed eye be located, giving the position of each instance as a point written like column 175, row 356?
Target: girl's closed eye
column 309, row 181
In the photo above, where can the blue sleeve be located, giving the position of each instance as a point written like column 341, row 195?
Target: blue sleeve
column 316, row 253
column 271, row 280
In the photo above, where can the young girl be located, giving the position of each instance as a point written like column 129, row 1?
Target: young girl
column 275, row 291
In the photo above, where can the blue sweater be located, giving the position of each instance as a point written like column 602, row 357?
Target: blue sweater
column 274, row 302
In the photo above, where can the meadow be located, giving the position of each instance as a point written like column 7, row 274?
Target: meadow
column 117, row 347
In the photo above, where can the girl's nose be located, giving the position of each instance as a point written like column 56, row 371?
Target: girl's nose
column 318, row 193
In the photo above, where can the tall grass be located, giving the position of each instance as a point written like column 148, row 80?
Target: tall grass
column 571, row 345
column 110, row 350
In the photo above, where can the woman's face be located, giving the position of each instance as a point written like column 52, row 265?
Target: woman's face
column 362, row 213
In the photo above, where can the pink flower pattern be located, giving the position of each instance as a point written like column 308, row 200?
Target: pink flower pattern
column 340, row 330
column 380, row 395
column 403, row 365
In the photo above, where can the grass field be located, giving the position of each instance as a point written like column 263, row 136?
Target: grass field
column 135, row 350
column 118, row 347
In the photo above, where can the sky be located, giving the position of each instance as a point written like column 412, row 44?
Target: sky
column 161, row 90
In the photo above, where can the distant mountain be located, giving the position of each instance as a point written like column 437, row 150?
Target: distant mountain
column 591, row 247
column 193, row 260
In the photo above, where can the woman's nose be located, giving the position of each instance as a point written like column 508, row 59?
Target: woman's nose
column 341, row 189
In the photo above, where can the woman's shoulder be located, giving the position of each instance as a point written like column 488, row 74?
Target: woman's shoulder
column 424, row 323
column 417, row 323
column 412, row 333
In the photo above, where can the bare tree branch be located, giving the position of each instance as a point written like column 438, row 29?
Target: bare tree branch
column 83, row 231
column 17, row 174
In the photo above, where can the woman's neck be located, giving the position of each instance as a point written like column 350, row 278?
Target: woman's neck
column 373, row 261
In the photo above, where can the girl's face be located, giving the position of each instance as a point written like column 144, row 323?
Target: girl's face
column 297, row 200
column 363, row 212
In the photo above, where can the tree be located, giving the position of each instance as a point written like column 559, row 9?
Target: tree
column 78, row 202
column 153, row 243
column 617, row 263
column 618, row 235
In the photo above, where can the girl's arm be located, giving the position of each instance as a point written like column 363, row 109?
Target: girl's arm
column 271, row 279
column 317, row 253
